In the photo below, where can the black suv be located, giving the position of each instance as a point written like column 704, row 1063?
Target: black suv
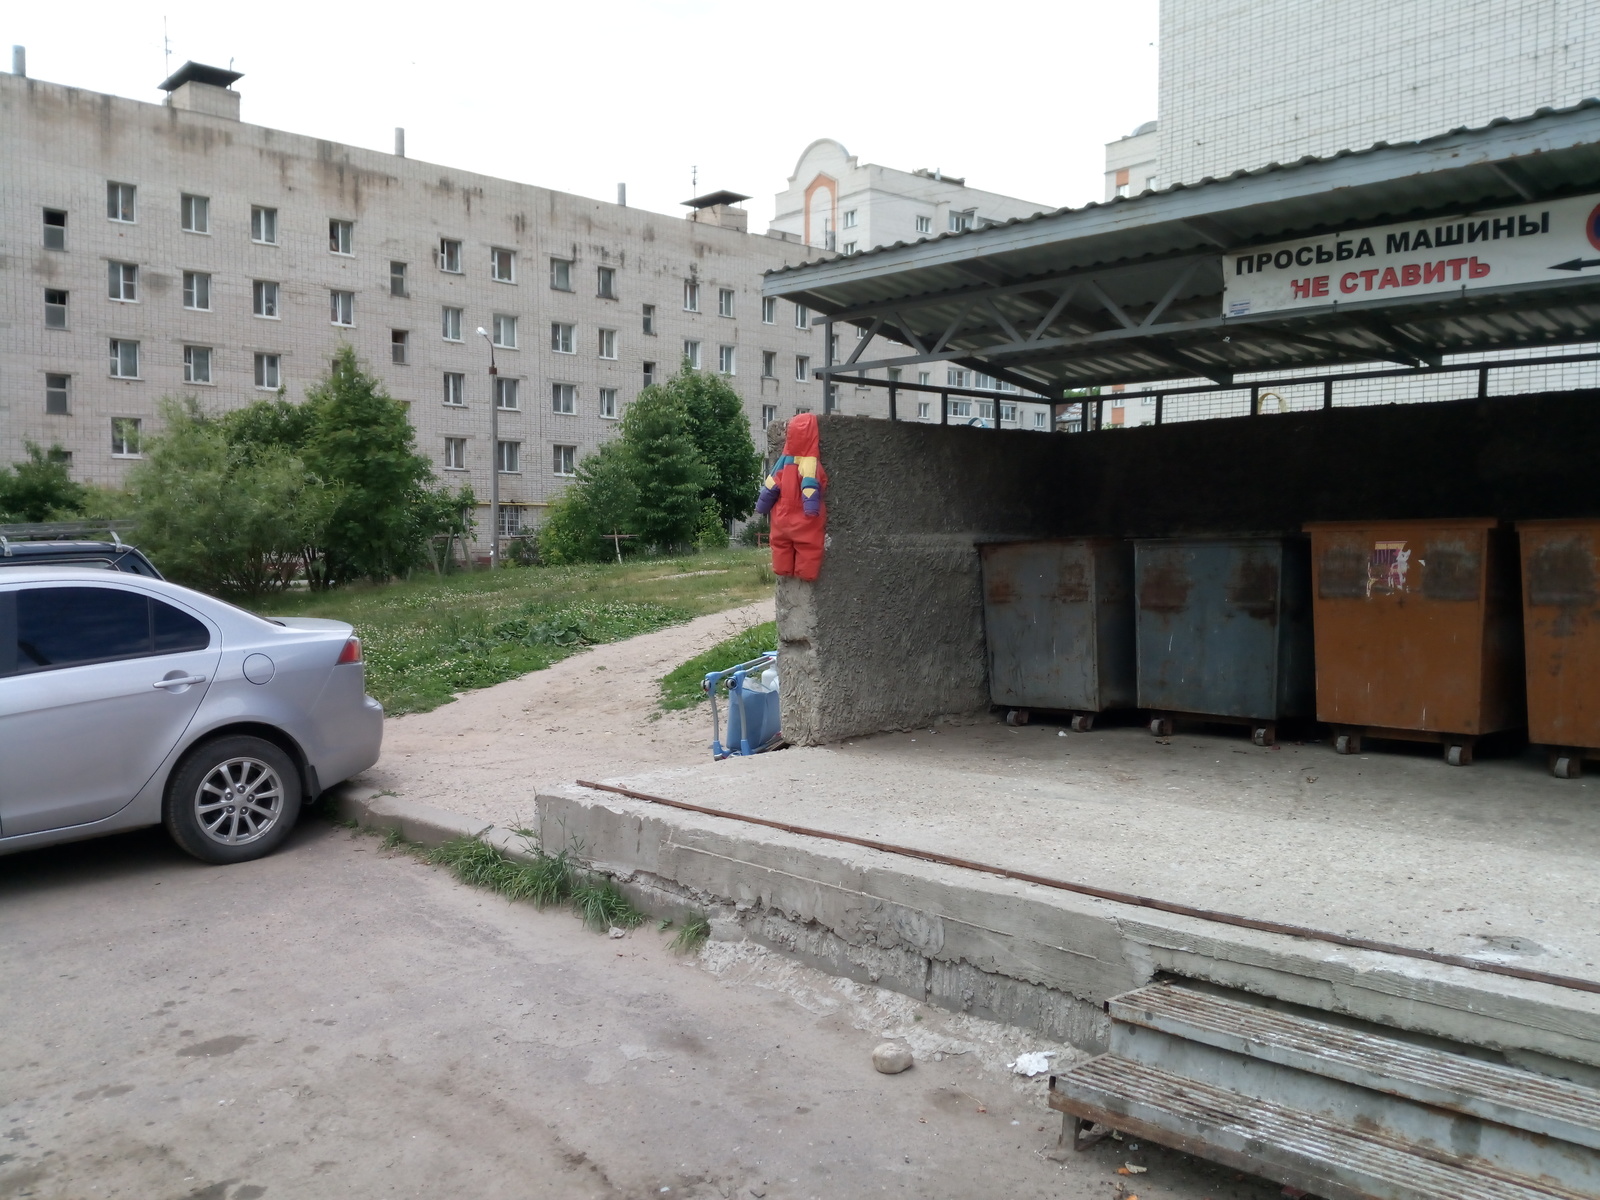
column 114, row 556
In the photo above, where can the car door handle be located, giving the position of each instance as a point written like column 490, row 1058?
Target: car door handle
column 180, row 681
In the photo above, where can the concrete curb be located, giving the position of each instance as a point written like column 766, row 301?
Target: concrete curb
column 420, row 823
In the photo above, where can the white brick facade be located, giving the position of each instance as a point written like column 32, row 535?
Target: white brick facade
column 1247, row 82
column 61, row 146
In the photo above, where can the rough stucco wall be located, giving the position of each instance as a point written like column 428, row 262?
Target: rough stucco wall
column 891, row 634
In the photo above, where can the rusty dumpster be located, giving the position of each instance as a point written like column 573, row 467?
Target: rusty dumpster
column 1224, row 631
column 1058, row 620
column 1418, row 631
column 1561, row 627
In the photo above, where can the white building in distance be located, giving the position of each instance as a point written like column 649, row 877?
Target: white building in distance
column 835, row 202
column 165, row 250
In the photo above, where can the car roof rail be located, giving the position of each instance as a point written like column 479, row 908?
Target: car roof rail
column 5, row 547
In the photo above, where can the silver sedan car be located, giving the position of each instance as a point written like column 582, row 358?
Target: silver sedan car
column 127, row 701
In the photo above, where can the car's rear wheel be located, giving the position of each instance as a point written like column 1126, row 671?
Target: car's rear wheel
column 233, row 799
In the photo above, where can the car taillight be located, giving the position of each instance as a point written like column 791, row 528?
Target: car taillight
column 351, row 652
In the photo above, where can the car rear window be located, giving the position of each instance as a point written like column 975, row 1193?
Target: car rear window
column 57, row 627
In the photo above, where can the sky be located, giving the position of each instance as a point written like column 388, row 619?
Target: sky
column 674, row 98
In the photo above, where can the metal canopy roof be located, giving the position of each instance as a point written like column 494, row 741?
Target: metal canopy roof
column 193, row 72
column 1131, row 290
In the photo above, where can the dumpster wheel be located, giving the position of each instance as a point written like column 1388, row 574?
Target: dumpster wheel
column 1458, row 754
column 1161, row 727
column 1264, row 735
column 1566, row 764
column 1017, row 716
column 1082, row 722
column 1347, row 743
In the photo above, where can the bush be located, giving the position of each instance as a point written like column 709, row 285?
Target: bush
column 40, row 488
column 712, row 533
column 665, row 467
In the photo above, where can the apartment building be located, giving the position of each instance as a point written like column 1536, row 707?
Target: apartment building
column 172, row 249
column 835, row 202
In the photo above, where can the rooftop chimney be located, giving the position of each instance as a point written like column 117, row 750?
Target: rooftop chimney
column 199, row 88
column 718, row 208
column 622, row 194
column 399, row 142
column 19, row 60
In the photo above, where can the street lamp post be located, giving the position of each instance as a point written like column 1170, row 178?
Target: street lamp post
column 494, row 457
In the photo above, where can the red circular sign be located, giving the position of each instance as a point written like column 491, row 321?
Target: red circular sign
column 1592, row 227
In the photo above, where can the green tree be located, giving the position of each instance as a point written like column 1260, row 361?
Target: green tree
column 360, row 441
column 602, row 499
column 222, row 516
column 665, row 466
column 721, row 433
column 40, row 488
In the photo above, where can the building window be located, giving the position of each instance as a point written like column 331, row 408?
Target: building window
column 455, row 454
column 564, row 398
column 57, row 392
column 268, row 377
column 1123, row 189
column 55, row 229
column 961, row 408
column 691, row 296
column 1150, row 183
column 197, row 364
column 894, row 374
column 510, row 520
column 265, row 296
column 608, row 403
column 802, row 317
column 505, row 394
column 849, row 247
column 1038, row 419
column 124, row 359
column 400, row 346
column 649, row 373
column 561, row 274
column 1008, row 412
column 561, row 338
column 455, row 389
column 850, row 218
column 608, row 343
column 957, row 377
column 505, row 331
column 566, row 460
column 960, row 222
column 802, row 367
column 725, row 360
column 450, row 323
column 197, row 290
column 924, row 224
column 924, row 409
column 125, row 437
column 724, row 302
column 925, row 378
column 195, row 213
column 769, row 414
column 450, row 255
column 397, row 279
column 508, row 457
column 342, row 308
column 503, row 265
column 769, row 364
column 341, row 237
column 122, row 281
column 606, row 283
column 650, row 319
column 691, row 355
column 120, row 198
column 55, row 308
column 769, row 310
column 264, row 225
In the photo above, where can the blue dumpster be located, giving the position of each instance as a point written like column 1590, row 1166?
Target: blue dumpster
column 1224, row 631
column 1058, row 620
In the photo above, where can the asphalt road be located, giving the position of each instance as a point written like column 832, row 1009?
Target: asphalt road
column 341, row 1021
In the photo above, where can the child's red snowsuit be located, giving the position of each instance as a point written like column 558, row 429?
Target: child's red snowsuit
column 793, row 495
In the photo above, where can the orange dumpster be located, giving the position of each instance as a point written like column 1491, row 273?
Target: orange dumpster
column 1418, row 634
column 1561, row 623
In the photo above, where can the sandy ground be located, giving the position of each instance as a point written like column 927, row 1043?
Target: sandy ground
column 594, row 713
column 337, row 1021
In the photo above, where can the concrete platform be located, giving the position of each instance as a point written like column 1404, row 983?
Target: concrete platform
column 1495, row 861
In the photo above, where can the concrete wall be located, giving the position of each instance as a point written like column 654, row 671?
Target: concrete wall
column 891, row 635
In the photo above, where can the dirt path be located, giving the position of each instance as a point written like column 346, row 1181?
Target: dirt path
column 595, row 712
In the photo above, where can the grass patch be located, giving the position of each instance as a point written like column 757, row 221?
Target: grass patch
column 429, row 638
column 693, row 935
column 548, row 879
column 600, row 905
column 680, row 687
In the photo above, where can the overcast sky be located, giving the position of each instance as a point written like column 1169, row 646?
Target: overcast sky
column 1017, row 97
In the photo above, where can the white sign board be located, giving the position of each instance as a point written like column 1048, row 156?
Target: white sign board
column 1554, row 240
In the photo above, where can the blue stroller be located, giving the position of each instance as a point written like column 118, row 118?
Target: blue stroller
column 753, row 722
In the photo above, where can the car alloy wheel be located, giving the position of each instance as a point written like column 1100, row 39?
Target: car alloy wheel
column 239, row 801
